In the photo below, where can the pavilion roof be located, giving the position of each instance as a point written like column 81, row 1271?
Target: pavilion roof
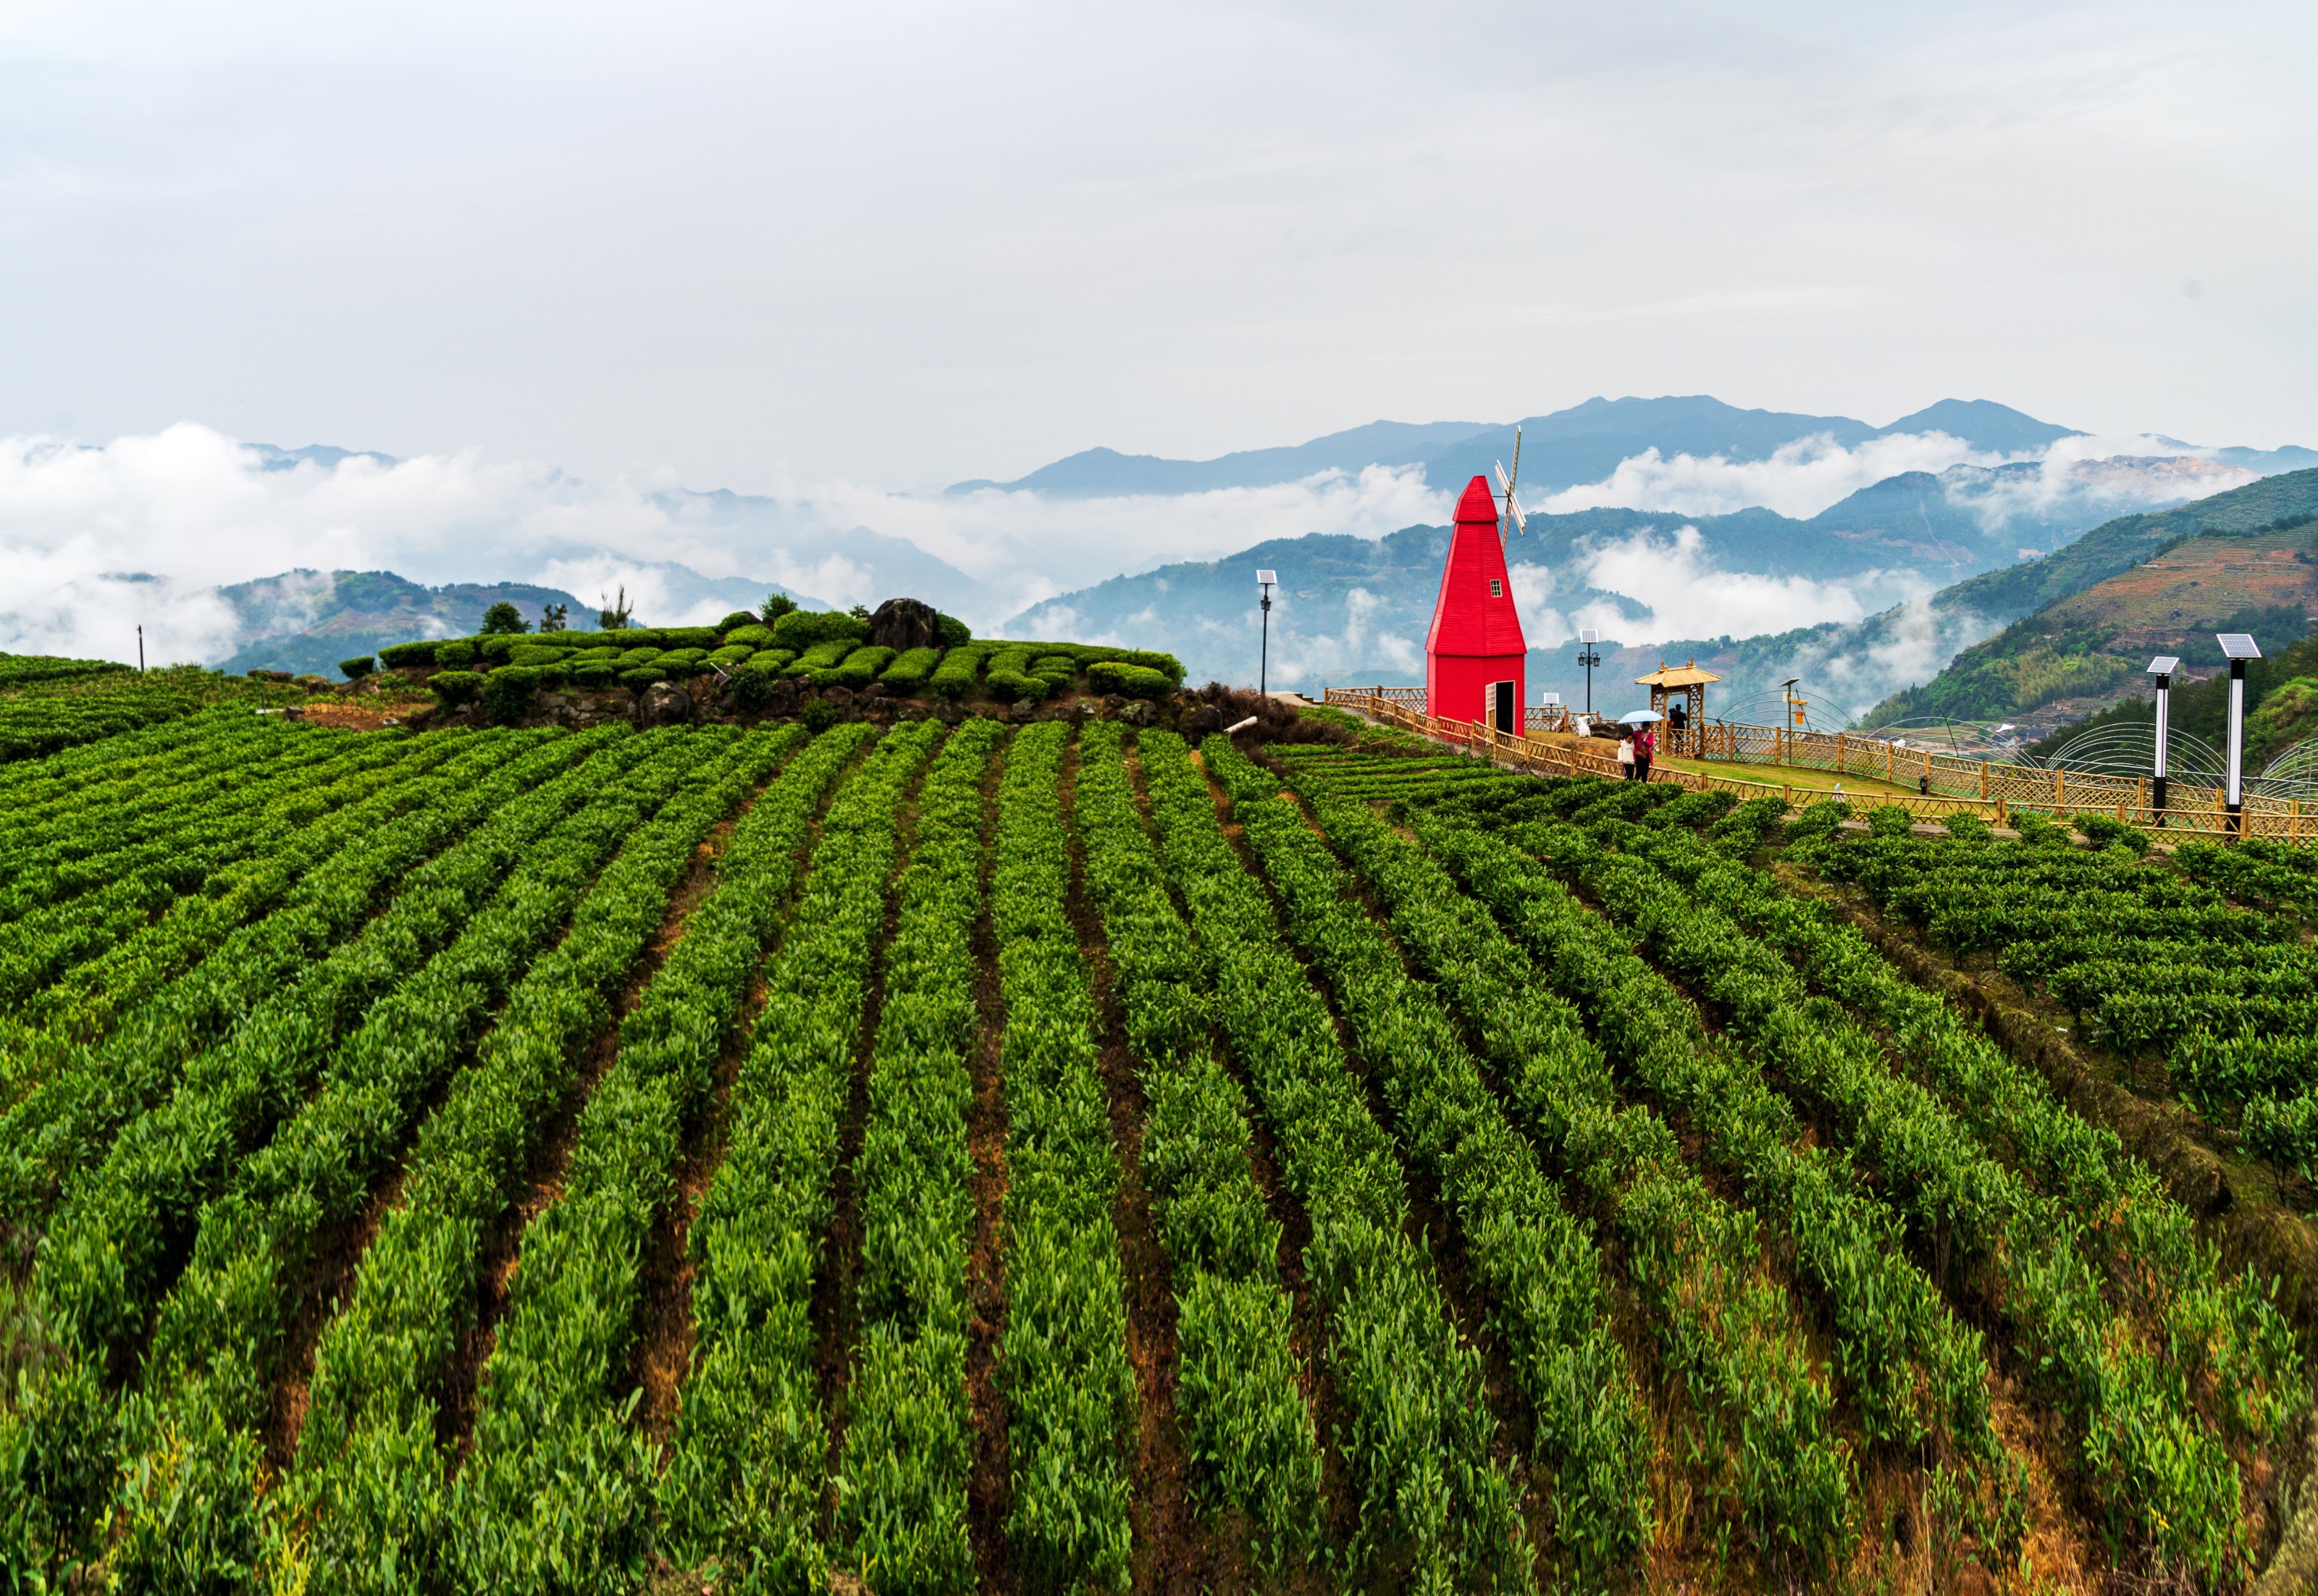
column 1679, row 675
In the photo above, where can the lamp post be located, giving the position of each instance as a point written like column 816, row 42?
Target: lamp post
column 2238, row 646
column 140, row 648
column 2163, row 669
column 1267, row 580
column 1589, row 657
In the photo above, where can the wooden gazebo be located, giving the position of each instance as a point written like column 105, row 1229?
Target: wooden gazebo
column 1690, row 682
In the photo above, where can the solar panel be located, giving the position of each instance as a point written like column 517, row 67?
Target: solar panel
column 2238, row 645
column 2164, row 665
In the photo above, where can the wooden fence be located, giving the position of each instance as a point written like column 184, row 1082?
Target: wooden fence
column 1944, row 783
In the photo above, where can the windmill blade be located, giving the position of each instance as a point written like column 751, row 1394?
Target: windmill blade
column 1508, row 480
column 1513, row 511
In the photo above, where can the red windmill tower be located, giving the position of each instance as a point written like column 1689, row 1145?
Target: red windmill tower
column 1475, row 654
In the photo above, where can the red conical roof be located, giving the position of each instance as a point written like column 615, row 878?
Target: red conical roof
column 1474, row 614
column 1479, row 504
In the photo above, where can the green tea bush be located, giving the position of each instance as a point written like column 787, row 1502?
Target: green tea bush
column 754, row 635
column 596, row 677
column 2039, row 828
column 1128, row 681
column 959, row 668
column 456, row 686
column 2108, row 831
column 509, row 692
column 731, row 654
column 354, row 670
column 858, row 668
column 641, row 678
column 802, row 629
column 1967, row 828
column 458, row 654
column 909, row 672
column 408, row 656
column 1891, row 820
column 538, row 654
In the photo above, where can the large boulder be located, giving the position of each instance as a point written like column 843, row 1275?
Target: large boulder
column 664, row 704
column 904, row 623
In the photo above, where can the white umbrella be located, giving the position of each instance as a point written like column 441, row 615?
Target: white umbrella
column 1641, row 717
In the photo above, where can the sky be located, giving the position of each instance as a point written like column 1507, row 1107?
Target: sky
column 896, row 245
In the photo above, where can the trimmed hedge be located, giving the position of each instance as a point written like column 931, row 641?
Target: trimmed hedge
column 1128, row 681
column 456, row 686
column 858, row 668
column 641, row 678
column 408, row 656
column 508, row 692
column 822, row 656
column 908, row 672
column 1008, row 676
column 458, row 654
column 354, row 670
column 802, row 629
column 538, row 654
column 960, row 668
column 731, row 654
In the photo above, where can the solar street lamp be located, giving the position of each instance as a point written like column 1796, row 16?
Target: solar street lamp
column 2163, row 669
column 1589, row 657
column 1267, row 580
column 2238, row 646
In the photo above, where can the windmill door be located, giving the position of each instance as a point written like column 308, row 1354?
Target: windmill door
column 1504, row 709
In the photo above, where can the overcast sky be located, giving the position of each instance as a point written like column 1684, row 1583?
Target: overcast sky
column 899, row 245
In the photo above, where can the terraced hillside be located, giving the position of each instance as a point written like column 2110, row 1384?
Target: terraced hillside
column 1058, row 1157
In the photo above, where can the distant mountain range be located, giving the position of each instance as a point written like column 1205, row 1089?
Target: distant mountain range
column 1562, row 449
column 308, row 621
column 2079, row 628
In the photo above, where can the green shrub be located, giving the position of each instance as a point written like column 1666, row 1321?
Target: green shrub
column 508, row 692
column 458, row 654
column 953, row 633
column 597, row 656
column 1008, row 675
column 822, row 655
column 641, row 678
column 635, row 657
column 538, row 654
column 858, row 669
column 408, row 656
column 730, row 655
column 774, row 606
column 1819, row 820
column 1056, row 670
column 817, row 715
column 1891, row 820
column 754, row 636
column 2039, row 828
column 456, row 686
column 908, row 673
column 503, row 618
column 736, row 619
column 1128, row 681
column 753, row 685
column 354, row 670
column 802, row 629
column 703, row 638
column 959, row 668
column 2109, row 831
column 1966, row 828
column 595, row 676
column 497, row 646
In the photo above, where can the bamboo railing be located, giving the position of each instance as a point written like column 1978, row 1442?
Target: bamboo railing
column 1946, row 784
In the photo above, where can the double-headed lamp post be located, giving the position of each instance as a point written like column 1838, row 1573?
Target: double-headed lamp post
column 2163, row 669
column 1589, row 657
column 1267, row 580
column 2237, row 647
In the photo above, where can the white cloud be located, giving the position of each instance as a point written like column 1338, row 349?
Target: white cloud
column 1688, row 596
column 1799, row 479
column 195, row 508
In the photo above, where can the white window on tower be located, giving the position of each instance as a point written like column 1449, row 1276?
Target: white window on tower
column 1496, row 588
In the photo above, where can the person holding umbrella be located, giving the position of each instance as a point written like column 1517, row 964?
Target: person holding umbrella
column 1645, row 743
